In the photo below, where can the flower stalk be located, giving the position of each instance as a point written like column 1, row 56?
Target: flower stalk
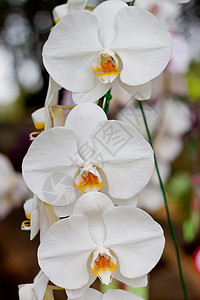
column 166, row 206
column 108, row 97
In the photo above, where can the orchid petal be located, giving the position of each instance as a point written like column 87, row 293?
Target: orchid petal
column 67, row 241
column 35, row 224
column 40, row 285
column 94, row 94
column 49, row 295
column 76, row 293
column 72, row 5
column 26, row 291
column 82, row 120
column 70, row 50
column 128, row 202
column 137, row 240
column 94, row 205
column 140, row 92
column 67, row 210
column 91, row 294
column 145, row 50
column 105, row 14
column 124, row 156
column 51, row 99
column 38, row 117
column 52, row 93
column 51, row 162
column 76, row 4
column 29, row 206
column 59, row 12
column 134, row 282
column 124, row 202
column 58, row 117
column 47, row 217
column 32, row 213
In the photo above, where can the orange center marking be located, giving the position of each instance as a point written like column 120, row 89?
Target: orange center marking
column 108, row 66
column 89, row 180
column 103, row 263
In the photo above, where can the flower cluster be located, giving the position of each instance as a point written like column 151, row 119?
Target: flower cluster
column 85, row 170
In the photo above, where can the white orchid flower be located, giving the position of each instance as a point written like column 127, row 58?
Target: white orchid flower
column 32, row 214
column 87, row 149
column 101, row 240
column 92, row 294
column 40, row 216
column 87, row 57
column 37, row 290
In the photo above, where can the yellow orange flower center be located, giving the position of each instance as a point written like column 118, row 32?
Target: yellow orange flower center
column 88, row 177
column 104, row 267
column 88, row 181
column 106, row 67
column 107, row 64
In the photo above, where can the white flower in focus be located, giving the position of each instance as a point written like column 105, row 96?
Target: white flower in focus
column 92, row 294
column 88, row 148
column 37, row 290
column 86, row 57
column 100, row 240
column 12, row 187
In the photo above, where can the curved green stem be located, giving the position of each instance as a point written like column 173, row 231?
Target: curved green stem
column 108, row 97
column 166, row 206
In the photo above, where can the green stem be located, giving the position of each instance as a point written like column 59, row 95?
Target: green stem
column 132, row 3
column 108, row 97
column 166, row 206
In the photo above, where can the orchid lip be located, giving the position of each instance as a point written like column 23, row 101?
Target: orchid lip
column 106, row 66
column 103, row 265
column 88, row 180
